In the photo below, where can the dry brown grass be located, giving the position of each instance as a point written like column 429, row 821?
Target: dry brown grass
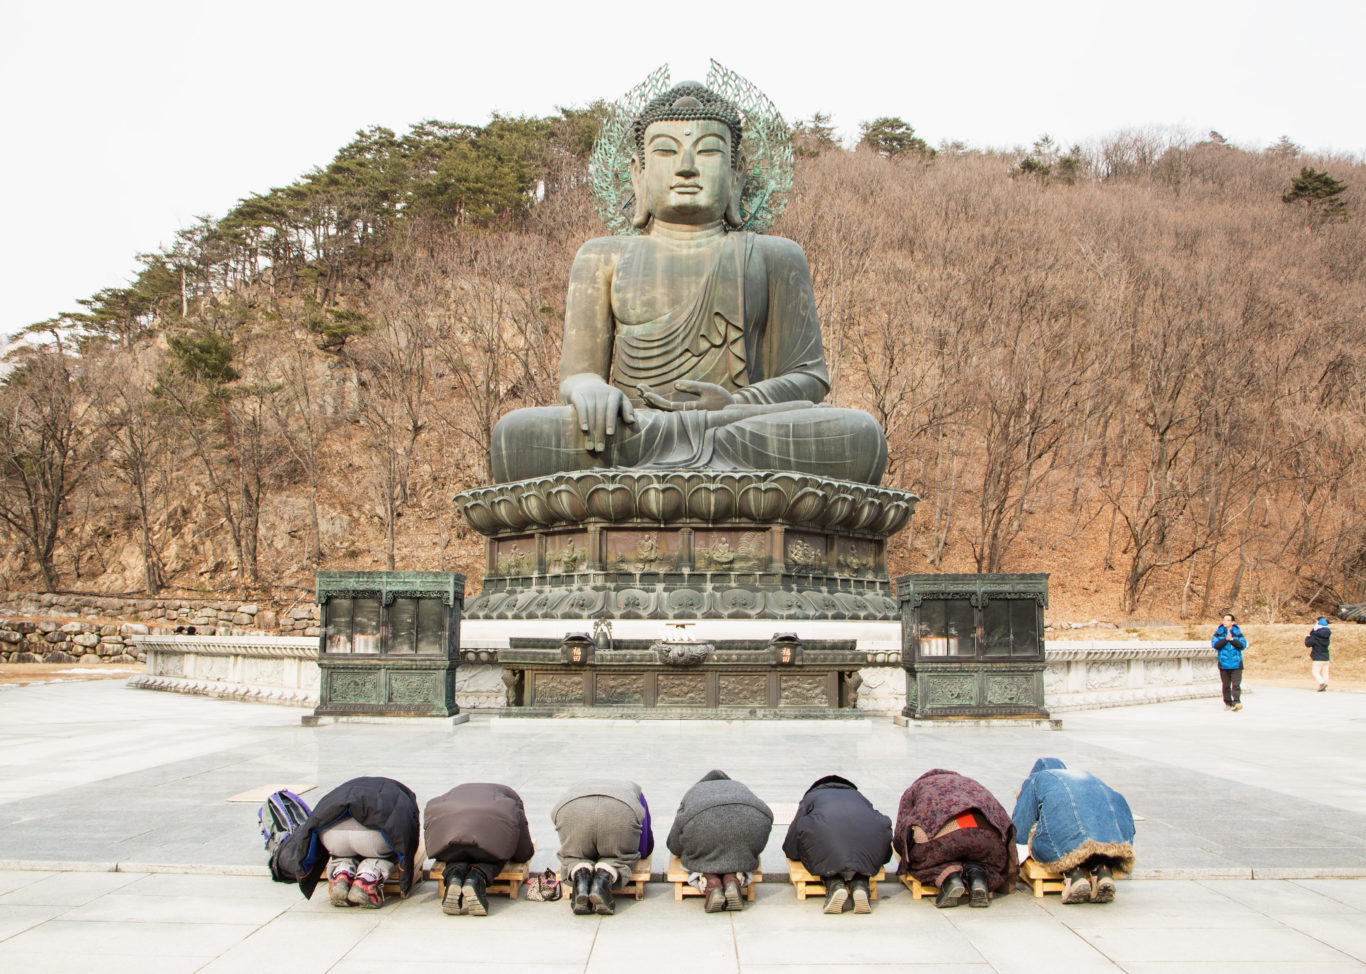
column 1150, row 387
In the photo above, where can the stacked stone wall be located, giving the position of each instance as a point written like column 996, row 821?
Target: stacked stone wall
column 53, row 628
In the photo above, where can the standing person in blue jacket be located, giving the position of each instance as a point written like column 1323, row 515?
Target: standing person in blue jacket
column 1077, row 825
column 1229, row 640
column 1317, row 641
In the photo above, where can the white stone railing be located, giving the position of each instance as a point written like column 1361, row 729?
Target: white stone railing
column 1081, row 675
column 263, row 669
column 1086, row 675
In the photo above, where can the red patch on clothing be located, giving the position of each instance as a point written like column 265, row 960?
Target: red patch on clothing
column 966, row 821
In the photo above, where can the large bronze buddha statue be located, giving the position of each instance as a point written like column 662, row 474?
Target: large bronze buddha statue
column 694, row 345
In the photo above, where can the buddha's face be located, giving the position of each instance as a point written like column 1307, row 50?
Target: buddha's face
column 688, row 177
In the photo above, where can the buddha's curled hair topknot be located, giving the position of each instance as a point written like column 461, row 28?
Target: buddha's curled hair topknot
column 687, row 102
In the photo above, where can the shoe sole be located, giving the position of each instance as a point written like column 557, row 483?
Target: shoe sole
column 1077, row 893
column 835, row 904
column 582, row 906
column 979, row 898
column 473, row 907
column 715, row 904
column 862, row 904
column 734, row 901
column 951, row 902
column 450, row 903
column 600, row 906
column 1105, row 891
column 338, row 896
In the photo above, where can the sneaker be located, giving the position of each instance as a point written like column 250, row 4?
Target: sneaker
column 1322, row 687
column 451, row 903
column 730, row 888
column 1077, row 888
column 836, row 893
column 1102, row 885
column 862, row 898
column 338, row 887
column 366, row 891
column 1228, row 706
column 1237, row 707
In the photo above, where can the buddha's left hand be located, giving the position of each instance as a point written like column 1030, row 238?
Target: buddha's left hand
column 710, row 397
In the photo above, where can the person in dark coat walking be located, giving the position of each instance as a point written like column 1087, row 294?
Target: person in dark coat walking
column 838, row 835
column 474, row 830
column 952, row 833
column 604, row 829
column 365, row 827
column 1230, row 642
column 718, row 833
column 1317, row 641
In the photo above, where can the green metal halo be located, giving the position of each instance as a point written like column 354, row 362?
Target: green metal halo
column 766, row 143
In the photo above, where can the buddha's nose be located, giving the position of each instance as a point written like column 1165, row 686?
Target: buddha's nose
column 687, row 163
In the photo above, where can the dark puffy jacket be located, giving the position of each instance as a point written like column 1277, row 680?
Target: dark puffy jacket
column 837, row 830
column 382, row 804
column 1317, row 641
column 1230, row 643
column 478, row 815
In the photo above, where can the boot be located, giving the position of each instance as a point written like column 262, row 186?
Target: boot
column 978, row 894
column 583, row 884
column 600, row 893
column 473, row 896
column 1077, row 888
column 836, row 893
column 1102, row 885
column 863, row 902
column 715, row 896
column 730, row 885
column 454, row 875
column 951, row 892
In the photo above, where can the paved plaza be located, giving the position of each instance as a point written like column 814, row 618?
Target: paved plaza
column 120, row 849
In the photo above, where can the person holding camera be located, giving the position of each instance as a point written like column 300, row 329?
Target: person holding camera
column 1230, row 642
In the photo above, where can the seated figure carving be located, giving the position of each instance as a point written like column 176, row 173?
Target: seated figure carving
column 694, row 344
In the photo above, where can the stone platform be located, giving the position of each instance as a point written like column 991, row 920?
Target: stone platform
column 689, row 544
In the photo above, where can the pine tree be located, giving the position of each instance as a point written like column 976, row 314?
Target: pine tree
column 1319, row 192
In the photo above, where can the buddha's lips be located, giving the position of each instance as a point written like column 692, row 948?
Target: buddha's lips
column 686, row 188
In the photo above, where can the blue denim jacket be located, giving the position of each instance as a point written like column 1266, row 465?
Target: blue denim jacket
column 1069, row 810
column 1230, row 643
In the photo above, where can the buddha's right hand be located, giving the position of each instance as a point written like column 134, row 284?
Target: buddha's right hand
column 598, row 407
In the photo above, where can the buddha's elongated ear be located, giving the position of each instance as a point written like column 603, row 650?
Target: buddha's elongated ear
column 640, row 212
column 738, row 176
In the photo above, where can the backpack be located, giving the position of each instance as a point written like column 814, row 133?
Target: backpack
column 282, row 813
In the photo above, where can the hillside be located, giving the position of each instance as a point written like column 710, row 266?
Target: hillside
column 1141, row 371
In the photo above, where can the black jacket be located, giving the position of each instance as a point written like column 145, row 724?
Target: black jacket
column 837, row 830
column 377, row 803
column 1317, row 641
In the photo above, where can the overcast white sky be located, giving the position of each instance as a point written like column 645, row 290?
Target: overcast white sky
column 127, row 119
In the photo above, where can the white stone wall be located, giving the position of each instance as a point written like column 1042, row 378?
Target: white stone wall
column 1082, row 675
column 263, row 669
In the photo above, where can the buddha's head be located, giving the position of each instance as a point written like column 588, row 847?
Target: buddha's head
column 688, row 167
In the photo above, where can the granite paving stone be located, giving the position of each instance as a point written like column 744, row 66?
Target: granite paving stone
column 1217, row 798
